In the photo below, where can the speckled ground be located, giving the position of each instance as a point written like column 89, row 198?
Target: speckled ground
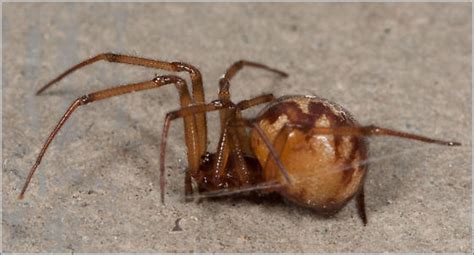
column 402, row 66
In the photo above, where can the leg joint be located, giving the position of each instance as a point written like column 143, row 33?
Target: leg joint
column 111, row 57
column 85, row 99
column 180, row 67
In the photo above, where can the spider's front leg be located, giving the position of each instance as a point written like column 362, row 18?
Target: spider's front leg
column 157, row 82
column 199, row 128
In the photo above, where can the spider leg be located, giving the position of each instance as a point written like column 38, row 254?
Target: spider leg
column 245, row 104
column 116, row 91
column 181, row 113
column 222, row 157
column 273, row 153
column 237, row 66
column 196, row 80
column 229, row 148
column 379, row 131
column 237, row 145
column 233, row 146
column 279, row 143
column 239, row 138
column 360, row 200
column 272, row 150
column 240, row 171
column 224, row 82
column 224, row 148
column 240, row 123
column 229, row 145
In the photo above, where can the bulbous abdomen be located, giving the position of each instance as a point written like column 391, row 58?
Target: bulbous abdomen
column 326, row 170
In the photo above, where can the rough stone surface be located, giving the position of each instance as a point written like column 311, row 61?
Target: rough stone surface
column 402, row 66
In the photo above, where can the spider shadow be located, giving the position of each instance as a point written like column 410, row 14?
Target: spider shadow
column 271, row 202
column 65, row 93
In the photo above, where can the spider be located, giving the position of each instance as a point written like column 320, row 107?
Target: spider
column 307, row 149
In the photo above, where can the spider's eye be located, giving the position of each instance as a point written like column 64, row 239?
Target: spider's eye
column 206, row 158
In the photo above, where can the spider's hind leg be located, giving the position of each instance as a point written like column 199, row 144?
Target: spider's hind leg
column 360, row 200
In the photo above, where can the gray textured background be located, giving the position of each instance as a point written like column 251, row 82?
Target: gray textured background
column 403, row 66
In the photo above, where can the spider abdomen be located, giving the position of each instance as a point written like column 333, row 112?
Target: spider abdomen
column 325, row 170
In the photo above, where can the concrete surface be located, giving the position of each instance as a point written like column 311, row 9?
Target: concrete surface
column 403, row 66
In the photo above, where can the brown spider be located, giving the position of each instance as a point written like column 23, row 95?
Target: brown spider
column 307, row 149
